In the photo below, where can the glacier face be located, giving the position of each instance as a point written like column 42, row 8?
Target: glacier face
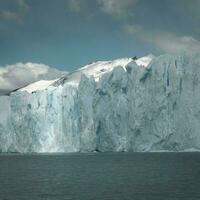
column 129, row 108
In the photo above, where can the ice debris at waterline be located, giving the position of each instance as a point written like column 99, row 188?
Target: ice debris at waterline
column 151, row 104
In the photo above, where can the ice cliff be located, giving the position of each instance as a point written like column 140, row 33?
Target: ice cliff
column 149, row 104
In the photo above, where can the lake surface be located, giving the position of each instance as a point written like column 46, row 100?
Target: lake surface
column 109, row 176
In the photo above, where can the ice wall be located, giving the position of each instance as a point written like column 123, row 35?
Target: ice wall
column 131, row 108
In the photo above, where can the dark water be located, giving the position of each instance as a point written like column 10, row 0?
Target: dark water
column 136, row 176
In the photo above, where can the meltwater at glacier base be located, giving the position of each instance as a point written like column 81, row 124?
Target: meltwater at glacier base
column 148, row 104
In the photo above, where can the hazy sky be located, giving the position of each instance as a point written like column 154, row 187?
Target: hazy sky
column 67, row 34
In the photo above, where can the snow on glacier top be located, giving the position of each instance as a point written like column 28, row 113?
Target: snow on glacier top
column 145, row 61
column 39, row 85
column 96, row 69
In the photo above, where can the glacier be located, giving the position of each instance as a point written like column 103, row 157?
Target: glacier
column 149, row 104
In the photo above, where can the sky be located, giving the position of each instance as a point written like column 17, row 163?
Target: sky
column 67, row 34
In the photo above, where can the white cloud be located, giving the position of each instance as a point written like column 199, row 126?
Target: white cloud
column 20, row 74
column 165, row 41
column 22, row 5
column 117, row 8
column 7, row 15
column 17, row 14
column 133, row 29
column 74, row 5
column 172, row 43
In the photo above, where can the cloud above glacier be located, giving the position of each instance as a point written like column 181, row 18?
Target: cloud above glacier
column 117, row 8
column 16, row 14
column 165, row 34
column 22, row 74
column 168, row 42
column 171, row 43
column 72, row 33
column 151, row 21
